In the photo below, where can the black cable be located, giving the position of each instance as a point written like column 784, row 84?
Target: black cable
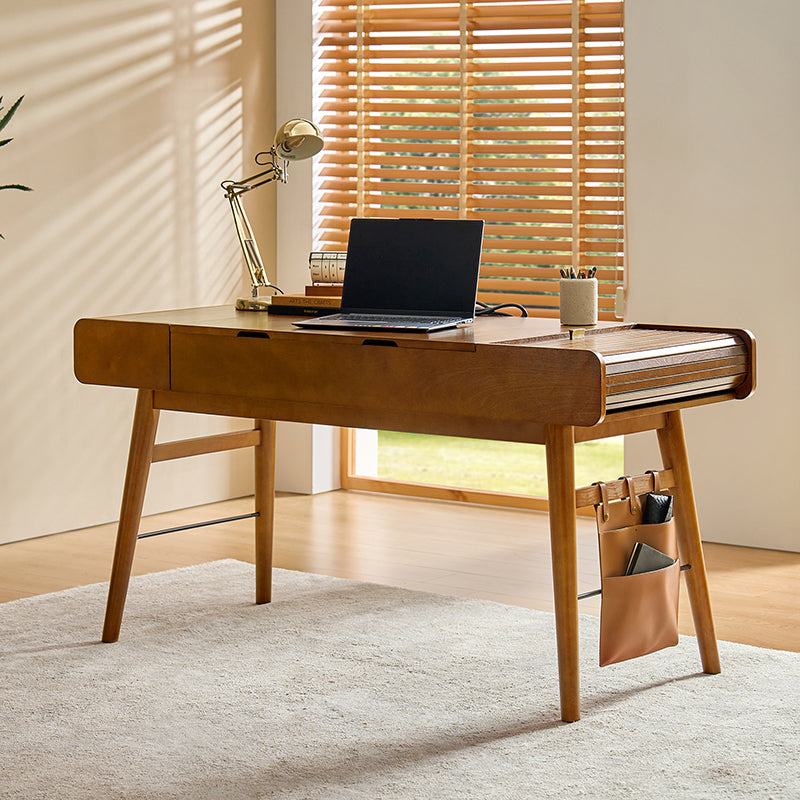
column 484, row 309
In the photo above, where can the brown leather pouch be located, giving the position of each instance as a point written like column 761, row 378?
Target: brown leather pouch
column 638, row 613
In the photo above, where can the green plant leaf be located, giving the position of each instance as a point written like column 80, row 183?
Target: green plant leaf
column 10, row 113
column 4, row 120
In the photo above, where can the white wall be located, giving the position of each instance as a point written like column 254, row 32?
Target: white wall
column 713, row 104
column 134, row 112
column 307, row 455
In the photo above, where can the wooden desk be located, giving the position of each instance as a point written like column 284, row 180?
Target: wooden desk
column 502, row 378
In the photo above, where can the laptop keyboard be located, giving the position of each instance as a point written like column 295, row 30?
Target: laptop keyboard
column 395, row 320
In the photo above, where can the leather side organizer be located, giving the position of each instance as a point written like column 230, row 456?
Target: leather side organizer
column 639, row 612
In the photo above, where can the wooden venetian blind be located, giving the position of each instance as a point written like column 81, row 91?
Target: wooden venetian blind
column 510, row 112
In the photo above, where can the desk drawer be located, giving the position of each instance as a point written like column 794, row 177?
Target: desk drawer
column 383, row 380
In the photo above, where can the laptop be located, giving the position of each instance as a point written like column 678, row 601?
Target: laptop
column 408, row 274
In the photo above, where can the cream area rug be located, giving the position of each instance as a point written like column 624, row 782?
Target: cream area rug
column 350, row 691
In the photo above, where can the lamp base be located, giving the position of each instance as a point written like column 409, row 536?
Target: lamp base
column 253, row 303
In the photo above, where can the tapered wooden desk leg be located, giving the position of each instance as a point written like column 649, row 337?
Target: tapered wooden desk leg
column 560, row 450
column 140, row 455
column 265, row 506
column 672, row 443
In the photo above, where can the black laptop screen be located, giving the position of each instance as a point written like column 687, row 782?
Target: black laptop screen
column 412, row 266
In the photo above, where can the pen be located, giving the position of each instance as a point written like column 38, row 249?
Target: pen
column 583, row 273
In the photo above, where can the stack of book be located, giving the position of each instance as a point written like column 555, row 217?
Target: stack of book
column 320, row 298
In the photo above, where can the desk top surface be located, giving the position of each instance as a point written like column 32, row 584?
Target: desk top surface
column 485, row 330
column 608, row 339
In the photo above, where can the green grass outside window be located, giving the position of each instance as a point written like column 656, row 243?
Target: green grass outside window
column 506, row 467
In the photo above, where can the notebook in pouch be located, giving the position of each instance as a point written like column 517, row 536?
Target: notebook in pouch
column 408, row 274
column 647, row 559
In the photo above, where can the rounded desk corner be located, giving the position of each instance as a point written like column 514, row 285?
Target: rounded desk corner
column 748, row 387
column 119, row 353
column 595, row 411
column 80, row 334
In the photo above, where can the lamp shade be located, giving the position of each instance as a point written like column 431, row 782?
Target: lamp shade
column 298, row 139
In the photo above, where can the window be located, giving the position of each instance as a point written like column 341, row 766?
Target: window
column 510, row 112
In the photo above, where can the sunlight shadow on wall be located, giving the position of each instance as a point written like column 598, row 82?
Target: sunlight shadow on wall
column 132, row 118
column 218, row 31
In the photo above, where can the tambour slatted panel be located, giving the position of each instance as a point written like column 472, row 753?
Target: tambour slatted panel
column 652, row 365
column 668, row 364
column 707, row 367
column 511, row 112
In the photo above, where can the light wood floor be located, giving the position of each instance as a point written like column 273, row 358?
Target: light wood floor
column 455, row 549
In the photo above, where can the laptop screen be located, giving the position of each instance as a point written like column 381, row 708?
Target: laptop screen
column 412, row 266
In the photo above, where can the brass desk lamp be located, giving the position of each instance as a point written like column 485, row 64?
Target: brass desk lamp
column 295, row 140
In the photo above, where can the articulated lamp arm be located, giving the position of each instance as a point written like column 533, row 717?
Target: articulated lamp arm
column 234, row 191
column 295, row 140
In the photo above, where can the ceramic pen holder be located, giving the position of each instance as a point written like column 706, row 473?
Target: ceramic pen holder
column 578, row 301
